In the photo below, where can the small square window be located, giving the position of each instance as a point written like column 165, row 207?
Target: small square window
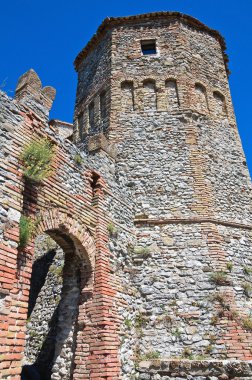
column 148, row 47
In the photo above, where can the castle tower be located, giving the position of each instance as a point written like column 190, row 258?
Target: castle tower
column 154, row 89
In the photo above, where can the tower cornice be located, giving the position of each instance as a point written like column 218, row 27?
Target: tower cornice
column 110, row 22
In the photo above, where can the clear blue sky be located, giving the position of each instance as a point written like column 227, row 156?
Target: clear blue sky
column 47, row 35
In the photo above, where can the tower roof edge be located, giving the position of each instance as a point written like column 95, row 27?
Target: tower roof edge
column 112, row 21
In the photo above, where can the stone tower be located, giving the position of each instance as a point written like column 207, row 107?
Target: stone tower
column 153, row 89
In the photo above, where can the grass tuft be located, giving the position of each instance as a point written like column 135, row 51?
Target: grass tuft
column 230, row 266
column 37, row 158
column 222, row 299
column 247, row 288
column 247, row 323
column 152, row 355
column 128, row 323
column 219, row 278
column 113, row 231
column 78, row 159
column 247, row 270
column 142, row 251
column 26, row 229
column 187, row 353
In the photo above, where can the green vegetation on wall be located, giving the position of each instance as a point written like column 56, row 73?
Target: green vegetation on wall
column 37, row 158
column 26, row 229
column 78, row 159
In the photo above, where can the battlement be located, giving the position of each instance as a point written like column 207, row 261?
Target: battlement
column 29, row 91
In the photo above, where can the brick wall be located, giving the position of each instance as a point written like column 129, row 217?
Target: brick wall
column 69, row 209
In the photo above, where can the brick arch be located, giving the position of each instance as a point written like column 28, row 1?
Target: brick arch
column 76, row 294
column 58, row 225
column 172, row 95
column 201, row 98
column 127, row 95
column 149, row 90
column 220, row 107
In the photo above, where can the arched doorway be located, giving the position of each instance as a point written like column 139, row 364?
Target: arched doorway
column 61, row 285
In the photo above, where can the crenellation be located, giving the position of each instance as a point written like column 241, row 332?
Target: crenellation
column 29, row 88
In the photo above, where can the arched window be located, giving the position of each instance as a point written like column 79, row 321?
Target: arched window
column 149, row 95
column 172, row 94
column 220, row 104
column 201, row 98
column 127, row 99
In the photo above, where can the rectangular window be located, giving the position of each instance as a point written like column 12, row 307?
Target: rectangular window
column 81, row 125
column 148, row 47
column 91, row 114
column 103, row 105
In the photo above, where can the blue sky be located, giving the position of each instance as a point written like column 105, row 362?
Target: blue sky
column 47, row 35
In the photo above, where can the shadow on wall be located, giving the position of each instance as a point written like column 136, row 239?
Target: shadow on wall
column 40, row 270
column 42, row 368
column 29, row 372
column 43, row 364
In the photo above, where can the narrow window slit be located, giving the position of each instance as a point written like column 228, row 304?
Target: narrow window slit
column 80, row 121
column 103, row 108
column 91, row 114
column 94, row 183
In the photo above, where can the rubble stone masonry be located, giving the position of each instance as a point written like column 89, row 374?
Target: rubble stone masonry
column 140, row 265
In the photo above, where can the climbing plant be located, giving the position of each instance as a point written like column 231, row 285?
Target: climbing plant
column 37, row 159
